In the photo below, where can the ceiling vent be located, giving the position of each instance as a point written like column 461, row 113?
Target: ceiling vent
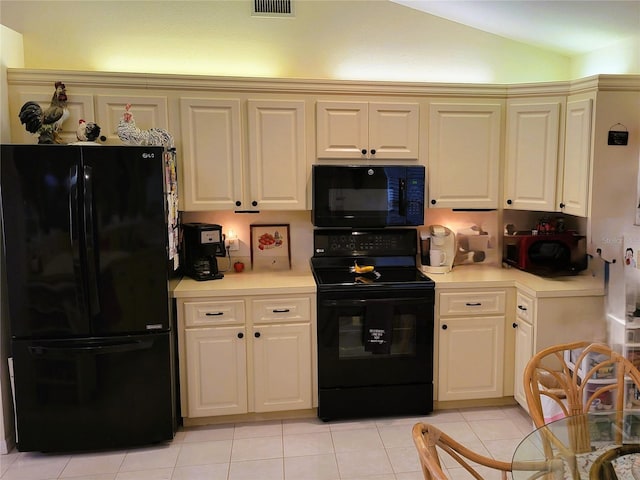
column 273, row 8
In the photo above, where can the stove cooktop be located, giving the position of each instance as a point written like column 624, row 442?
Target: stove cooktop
column 391, row 253
column 379, row 276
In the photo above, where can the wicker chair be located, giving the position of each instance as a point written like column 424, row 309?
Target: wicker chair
column 550, row 374
column 550, row 377
column 427, row 437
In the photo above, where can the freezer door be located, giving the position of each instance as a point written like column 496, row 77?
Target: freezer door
column 126, row 235
column 40, row 188
column 93, row 394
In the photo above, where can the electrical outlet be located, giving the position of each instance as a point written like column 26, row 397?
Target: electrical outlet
column 233, row 244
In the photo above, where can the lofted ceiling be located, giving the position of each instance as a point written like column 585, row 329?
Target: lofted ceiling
column 567, row 27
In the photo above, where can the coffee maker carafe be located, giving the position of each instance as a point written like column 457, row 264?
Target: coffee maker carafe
column 437, row 249
column 201, row 244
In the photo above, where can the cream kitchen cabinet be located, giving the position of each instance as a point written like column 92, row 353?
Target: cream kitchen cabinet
column 367, row 130
column 282, row 378
column 471, row 344
column 211, row 153
column 245, row 354
column 464, row 155
column 214, row 336
column 532, row 154
column 577, row 157
column 277, row 156
column 218, row 176
column 523, row 325
column 545, row 321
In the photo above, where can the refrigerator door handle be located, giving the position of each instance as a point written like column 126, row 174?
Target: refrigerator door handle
column 90, row 348
column 90, row 247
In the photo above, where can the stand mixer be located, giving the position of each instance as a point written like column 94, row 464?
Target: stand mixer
column 437, row 249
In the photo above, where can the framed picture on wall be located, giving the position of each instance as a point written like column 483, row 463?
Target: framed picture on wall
column 270, row 247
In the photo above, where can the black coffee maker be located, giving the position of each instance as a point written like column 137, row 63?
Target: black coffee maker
column 201, row 244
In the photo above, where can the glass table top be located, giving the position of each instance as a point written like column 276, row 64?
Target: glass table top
column 602, row 445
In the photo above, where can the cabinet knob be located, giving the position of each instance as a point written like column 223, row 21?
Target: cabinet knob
column 373, row 151
column 523, row 308
column 514, row 325
column 238, row 203
column 509, row 202
column 433, row 201
column 444, row 327
column 363, row 151
column 254, row 203
column 562, row 205
column 257, row 334
column 240, row 335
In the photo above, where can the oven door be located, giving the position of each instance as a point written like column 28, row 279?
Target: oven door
column 376, row 340
column 359, row 196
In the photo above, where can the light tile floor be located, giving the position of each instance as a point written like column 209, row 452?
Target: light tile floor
column 305, row 449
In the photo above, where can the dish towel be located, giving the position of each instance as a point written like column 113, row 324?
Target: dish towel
column 378, row 328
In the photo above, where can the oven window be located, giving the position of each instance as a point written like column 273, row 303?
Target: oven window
column 368, row 334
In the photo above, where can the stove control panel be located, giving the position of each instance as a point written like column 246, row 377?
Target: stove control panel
column 341, row 243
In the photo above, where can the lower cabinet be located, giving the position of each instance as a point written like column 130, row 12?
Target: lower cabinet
column 245, row 354
column 471, row 345
column 541, row 322
column 282, row 367
column 523, row 344
column 216, row 381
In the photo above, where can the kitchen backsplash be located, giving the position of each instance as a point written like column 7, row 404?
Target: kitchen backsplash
column 467, row 225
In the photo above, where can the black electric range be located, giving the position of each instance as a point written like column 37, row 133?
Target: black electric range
column 375, row 327
column 391, row 253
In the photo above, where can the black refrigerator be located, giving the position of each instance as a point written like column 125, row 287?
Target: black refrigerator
column 88, row 262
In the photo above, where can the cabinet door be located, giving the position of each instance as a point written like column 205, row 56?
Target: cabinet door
column 577, row 158
column 277, row 156
column 342, row 129
column 524, row 352
column 532, row 156
column 212, row 161
column 464, row 155
column 216, row 371
column 471, row 352
column 282, row 367
column 393, row 130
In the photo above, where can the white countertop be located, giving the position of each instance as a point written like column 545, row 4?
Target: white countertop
column 473, row 276
column 248, row 283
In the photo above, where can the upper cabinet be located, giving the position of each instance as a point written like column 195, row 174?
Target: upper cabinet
column 277, row 156
column 464, row 155
column 577, row 158
column 217, row 175
column 533, row 132
column 212, row 154
column 548, row 166
column 367, row 130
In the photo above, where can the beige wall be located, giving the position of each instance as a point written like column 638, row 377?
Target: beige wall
column 345, row 39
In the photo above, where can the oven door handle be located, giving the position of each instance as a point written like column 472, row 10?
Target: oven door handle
column 363, row 302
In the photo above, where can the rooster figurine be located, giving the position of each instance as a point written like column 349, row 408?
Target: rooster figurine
column 46, row 123
column 130, row 134
column 88, row 132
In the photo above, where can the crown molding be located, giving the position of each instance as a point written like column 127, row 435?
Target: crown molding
column 145, row 81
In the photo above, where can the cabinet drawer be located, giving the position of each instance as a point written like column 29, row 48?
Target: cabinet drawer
column 295, row 309
column 472, row 303
column 524, row 308
column 214, row 313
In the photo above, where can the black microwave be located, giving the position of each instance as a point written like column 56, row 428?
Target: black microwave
column 367, row 196
column 546, row 254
